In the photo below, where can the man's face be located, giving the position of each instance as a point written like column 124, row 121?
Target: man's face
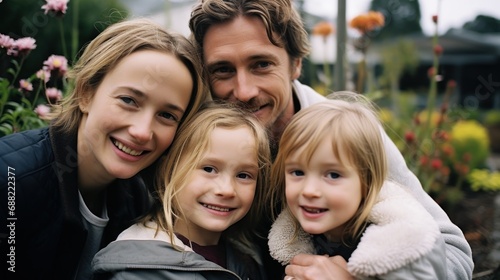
column 244, row 67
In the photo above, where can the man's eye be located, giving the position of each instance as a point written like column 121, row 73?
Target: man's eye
column 222, row 70
column 263, row 64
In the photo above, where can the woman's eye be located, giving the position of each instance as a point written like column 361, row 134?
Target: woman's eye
column 127, row 100
column 297, row 173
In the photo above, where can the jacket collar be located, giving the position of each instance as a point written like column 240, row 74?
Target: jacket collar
column 396, row 213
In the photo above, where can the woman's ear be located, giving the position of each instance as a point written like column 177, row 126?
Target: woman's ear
column 84, row 103
column 296, row 68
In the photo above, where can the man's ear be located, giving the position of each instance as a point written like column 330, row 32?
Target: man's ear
column 296, row 68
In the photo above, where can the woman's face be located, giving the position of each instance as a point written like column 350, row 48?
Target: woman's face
column 133, row 116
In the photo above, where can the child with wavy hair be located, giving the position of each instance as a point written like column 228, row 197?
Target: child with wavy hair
column 331, row 170
column 209, row 197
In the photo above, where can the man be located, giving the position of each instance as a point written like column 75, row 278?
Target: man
column 252, row 51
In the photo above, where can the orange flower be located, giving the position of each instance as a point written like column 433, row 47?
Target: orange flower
column 365, row 23
column 323, row 28
column 448, row 150
column 445, row 171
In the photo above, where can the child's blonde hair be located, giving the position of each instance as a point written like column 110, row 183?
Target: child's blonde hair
column 356, row 137
column 190, row 145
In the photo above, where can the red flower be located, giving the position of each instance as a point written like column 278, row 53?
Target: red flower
column 467, row 157
column 438, row 50
column 410, row 137
column 424, row 160
column 430, row 72
column 452, row 84
column 436, row 163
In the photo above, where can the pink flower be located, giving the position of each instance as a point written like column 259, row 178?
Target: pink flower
column 22, row 46
column 43, row 74
column 42, row 111
column 56, row 63
column 53, row 94
column 59, row 7
column 6, row 42
column 25, row 85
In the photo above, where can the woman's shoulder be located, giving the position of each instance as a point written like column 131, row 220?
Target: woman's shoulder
column 26, row 152
column 26, row 142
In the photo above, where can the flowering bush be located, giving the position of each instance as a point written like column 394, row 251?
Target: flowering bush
column 483, row 179
column 444, row 151
column 19, row 97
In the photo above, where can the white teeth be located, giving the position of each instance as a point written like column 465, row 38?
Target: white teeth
column 127, row 149
column 313, row 210
column 216, row 208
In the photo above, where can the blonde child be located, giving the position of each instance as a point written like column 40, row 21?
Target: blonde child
column 209, row 198
column 331, row 171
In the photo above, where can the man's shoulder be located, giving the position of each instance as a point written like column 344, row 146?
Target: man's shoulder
column 306, row 95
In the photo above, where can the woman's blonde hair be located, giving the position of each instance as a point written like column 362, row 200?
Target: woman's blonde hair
column 105, row 52
column 356, row 138
column 189, row 147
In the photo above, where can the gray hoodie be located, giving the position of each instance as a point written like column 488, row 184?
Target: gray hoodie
column 139, row 253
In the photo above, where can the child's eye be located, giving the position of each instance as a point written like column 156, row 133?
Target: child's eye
column 244, row 176
column 297, row 173
column 209, row 169
column 168, row 116
column 333, row 175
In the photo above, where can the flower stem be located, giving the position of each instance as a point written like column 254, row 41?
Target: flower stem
column 63, row 40
column 74, row 31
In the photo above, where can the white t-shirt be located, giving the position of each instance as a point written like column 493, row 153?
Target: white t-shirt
column 95, row 226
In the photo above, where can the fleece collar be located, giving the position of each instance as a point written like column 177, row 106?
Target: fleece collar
column 401, row 232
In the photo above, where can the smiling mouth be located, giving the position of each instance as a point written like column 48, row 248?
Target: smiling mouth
column 314, row 210
column 216, row 208
column 256, row 109
column 126, row 149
